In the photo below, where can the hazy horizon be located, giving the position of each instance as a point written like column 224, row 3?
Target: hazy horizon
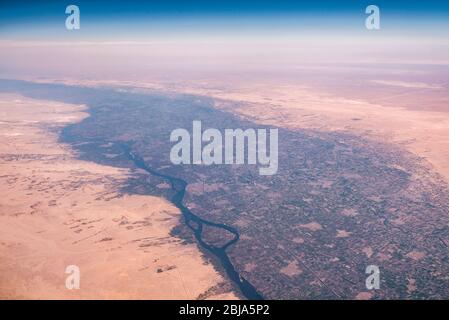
column 230, row 36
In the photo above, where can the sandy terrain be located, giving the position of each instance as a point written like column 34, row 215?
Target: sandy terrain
column 57, row 211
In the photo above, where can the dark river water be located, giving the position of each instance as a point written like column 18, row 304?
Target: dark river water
column 179, row 187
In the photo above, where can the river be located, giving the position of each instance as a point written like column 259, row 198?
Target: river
column 179, row 187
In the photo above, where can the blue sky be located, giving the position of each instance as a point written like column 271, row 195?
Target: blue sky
column 129, row 37
column 139, row 19
column 25, row 9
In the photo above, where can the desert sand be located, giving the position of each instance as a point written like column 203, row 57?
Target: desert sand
column 57, row 211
